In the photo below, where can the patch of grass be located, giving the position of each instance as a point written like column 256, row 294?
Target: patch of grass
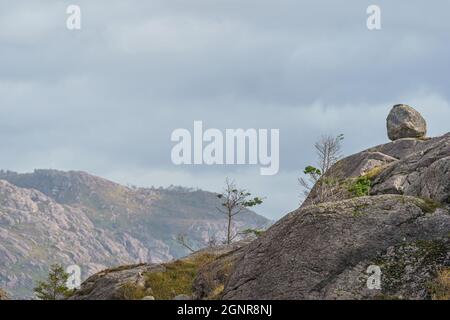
column 374, row 172
column 428, row 205
column 178, row 277
column 360, row 186
column 440, row 288
column 217, row 292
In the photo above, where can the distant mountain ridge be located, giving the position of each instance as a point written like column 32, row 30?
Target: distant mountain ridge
column 77, row 218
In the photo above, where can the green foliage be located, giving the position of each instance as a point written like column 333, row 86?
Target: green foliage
column 234, row 201
column 240, row 199
column 310, row 170
column 360, row 187
column 54, row 288
column 253, row 202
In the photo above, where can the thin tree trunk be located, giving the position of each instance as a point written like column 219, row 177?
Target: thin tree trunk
column 229, row 227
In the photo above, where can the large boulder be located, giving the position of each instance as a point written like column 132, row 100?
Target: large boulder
column 405, row 122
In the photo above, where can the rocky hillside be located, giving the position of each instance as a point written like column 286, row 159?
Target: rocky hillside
column 75, row 218
column 402, row 226
column 388, row 216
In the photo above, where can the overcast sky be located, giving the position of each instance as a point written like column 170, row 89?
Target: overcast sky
column 106, row 98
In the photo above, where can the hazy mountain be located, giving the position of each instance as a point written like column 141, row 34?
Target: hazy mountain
column 76, row 218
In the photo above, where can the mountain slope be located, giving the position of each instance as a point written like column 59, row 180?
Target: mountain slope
column 76, row 218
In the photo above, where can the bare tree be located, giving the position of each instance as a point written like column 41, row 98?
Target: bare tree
column 233, row 202
column 212, row 241
column 182, row 239
column 328, row 152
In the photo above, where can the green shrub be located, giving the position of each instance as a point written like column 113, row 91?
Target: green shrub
column 54, row 288
column 360, row 187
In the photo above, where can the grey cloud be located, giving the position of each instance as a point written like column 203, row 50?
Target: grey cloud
column 106, row 99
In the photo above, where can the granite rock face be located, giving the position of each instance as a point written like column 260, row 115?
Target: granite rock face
column 411, row 167
column 327, row 250
column 423, row 173
column 405, row 122
column 324, row 251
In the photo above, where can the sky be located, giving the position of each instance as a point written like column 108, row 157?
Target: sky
column 106, row 98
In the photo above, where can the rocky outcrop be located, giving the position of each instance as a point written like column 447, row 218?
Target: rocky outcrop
column 414, row 167
column 405, row 122
column 323, row 251
column 117, row 284
column 201, row 275
column 423, row 173
column 401, row 227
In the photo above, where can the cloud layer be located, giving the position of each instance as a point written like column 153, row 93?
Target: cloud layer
column 105, row 99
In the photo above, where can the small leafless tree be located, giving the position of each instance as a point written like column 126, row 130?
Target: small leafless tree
column 233, row 202
column 182, row 239
column 212, row 241
column 328, row 151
